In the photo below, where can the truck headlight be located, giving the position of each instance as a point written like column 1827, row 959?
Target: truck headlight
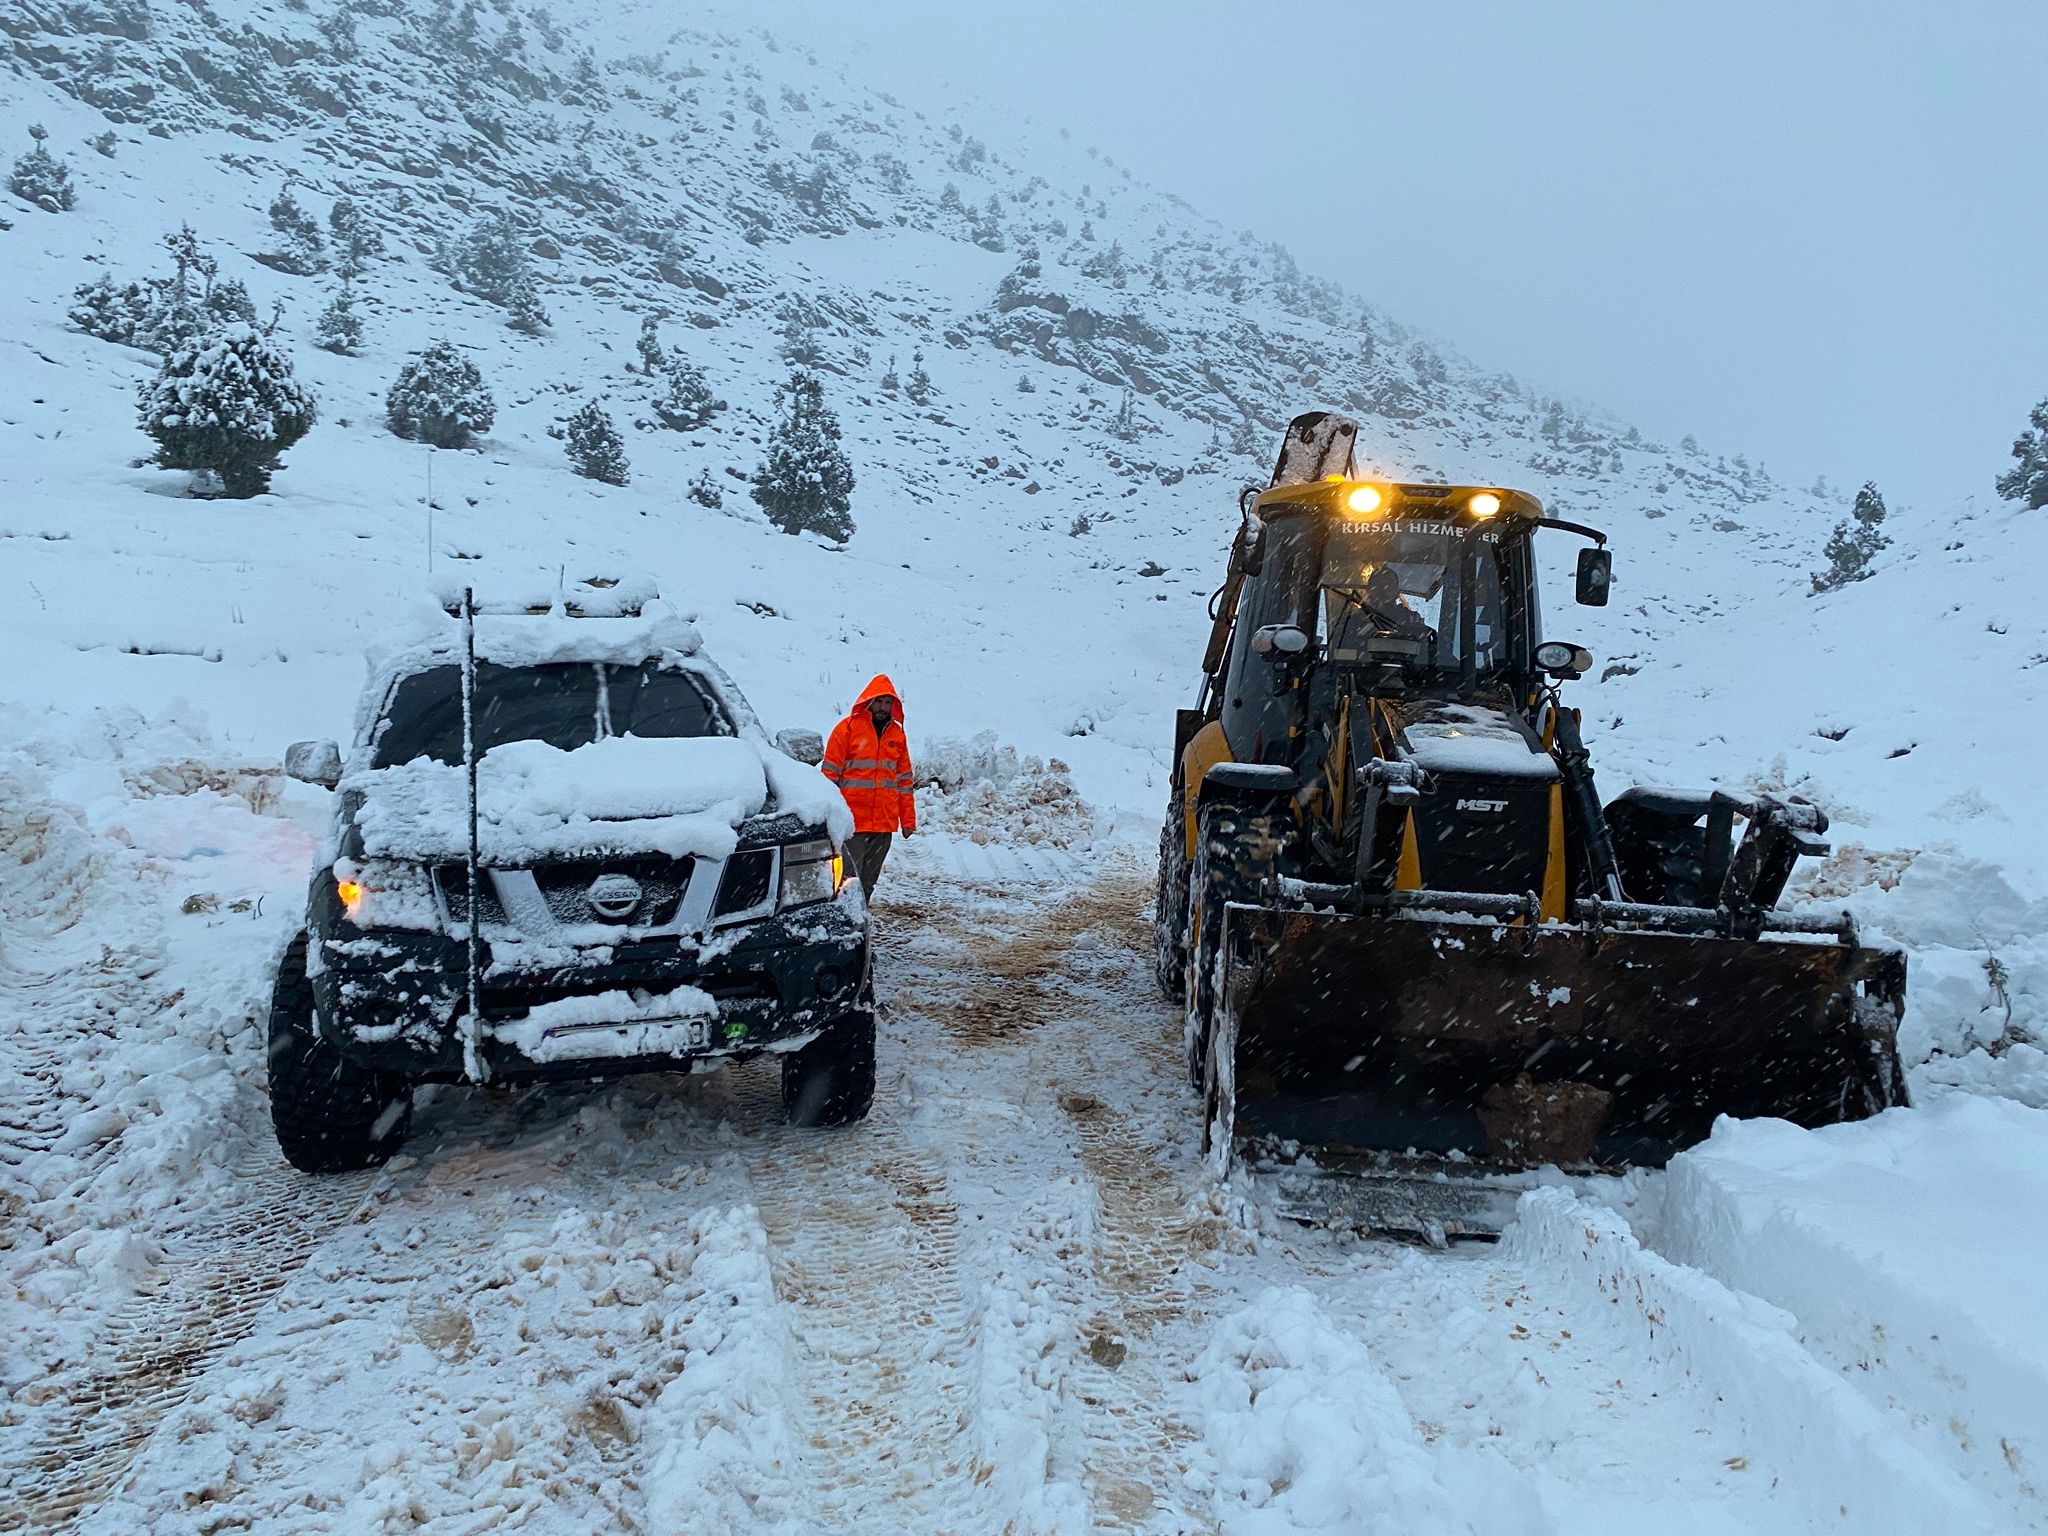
column 385, row 893
column 811, row 871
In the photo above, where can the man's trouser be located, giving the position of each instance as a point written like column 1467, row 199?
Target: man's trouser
column 865, row 851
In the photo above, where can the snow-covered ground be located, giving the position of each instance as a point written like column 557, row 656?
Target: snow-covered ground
column 1009, row 1299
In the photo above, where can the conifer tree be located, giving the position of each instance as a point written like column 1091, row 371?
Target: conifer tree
column 805, row 485
column 226, row 402
column 1854, row 543
column 41, row 178
column 685, row 402
column 890, row 383
column 353, row 237
column 339, row 328
column 705, row 492
column 2027, row 480
column 920, row 386
column 302, row 250
column 439, row 398
column 595, row 448
column 653, row 360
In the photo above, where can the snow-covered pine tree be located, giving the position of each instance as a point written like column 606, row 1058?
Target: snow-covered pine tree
column 110, row 311
column 988, row 227
column 685, row 402
column 41, row 178
column 491, row 261
column 523, row 311
column 799, row 344
column 1125, row 425
column 339, row 328
column 301, row 251
column 705, row 492
column 1854, row 543
column 2027, row 480
column 653, row 359
column 920, row 386
column 890, row 383
column 805, row 485
column 439, row 398
column 1024, row 384
column 596, row 451
column 226, row 402
column 353, row 238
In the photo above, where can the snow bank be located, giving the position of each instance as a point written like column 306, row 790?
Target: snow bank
column 624, row 794
column 1740, row 1351
column 1908, row 1247
column 1022, row 1329
column 724, row 1452
column 981, row 790
column 140, row 919
column 1302, row 1431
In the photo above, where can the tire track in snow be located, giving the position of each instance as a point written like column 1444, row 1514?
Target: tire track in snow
column 1149, row 1241
column 863, row 1245
column 203, row 1302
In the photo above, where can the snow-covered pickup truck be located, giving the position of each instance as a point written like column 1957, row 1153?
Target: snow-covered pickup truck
column 658, row 885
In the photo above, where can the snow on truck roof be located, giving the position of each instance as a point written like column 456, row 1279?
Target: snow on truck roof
column 515, row 633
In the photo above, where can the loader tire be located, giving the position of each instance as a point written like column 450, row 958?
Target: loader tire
column 330, row 1115
column 1233, row 854
column 831, row 1081
column 1169, row 911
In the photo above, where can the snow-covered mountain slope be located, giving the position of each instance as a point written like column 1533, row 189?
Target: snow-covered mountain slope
column 1034, row 563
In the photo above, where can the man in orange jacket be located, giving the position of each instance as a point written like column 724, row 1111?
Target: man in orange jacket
column 868, row 757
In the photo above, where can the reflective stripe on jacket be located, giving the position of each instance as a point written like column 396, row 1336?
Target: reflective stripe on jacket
column 872, row 769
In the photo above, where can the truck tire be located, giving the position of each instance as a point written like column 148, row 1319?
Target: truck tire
column 1169, row 910
column 831, row 1081
column 330, row 1115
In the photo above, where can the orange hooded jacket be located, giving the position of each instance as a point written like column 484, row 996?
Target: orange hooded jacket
column 872, row 769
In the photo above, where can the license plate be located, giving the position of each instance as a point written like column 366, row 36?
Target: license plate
column 647, row 1036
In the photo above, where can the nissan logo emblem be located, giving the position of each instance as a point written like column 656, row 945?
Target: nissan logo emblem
column 613, row 897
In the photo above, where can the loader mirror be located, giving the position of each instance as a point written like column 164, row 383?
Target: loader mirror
column 1596, row 571
column 1279, row 642
column 313, row 762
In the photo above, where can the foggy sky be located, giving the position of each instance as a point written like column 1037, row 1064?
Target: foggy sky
column 1814, row 233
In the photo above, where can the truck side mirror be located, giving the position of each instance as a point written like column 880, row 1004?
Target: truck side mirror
column 1596, row 572
column 313, row 762
column 804, row 746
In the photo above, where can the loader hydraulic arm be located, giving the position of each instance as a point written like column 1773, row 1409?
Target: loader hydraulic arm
column 1576, row 764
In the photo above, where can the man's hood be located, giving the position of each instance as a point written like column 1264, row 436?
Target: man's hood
column 877, row 689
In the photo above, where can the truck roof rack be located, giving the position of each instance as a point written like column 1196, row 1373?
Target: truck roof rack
column 585, row 597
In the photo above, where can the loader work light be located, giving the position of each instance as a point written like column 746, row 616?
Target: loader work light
column 1363, row 498
column 1485, row 504
column 351, row 894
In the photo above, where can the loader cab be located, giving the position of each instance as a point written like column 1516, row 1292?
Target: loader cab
column 1399, row 589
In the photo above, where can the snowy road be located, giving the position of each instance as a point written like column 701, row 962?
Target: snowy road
column 1005, row 1303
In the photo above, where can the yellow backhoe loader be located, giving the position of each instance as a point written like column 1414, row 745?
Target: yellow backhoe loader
column 1416, row 954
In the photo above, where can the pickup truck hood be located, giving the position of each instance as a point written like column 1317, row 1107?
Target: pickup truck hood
column 623, row 795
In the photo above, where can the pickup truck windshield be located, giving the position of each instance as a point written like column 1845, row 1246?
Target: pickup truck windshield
column 565, row 704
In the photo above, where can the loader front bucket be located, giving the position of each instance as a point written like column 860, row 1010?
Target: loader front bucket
column 1499, row 1046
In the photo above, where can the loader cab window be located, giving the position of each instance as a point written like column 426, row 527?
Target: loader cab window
column 1257, row 701
column 1396, row 591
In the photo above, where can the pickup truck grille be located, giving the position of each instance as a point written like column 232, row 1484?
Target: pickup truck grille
column 632, row 893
